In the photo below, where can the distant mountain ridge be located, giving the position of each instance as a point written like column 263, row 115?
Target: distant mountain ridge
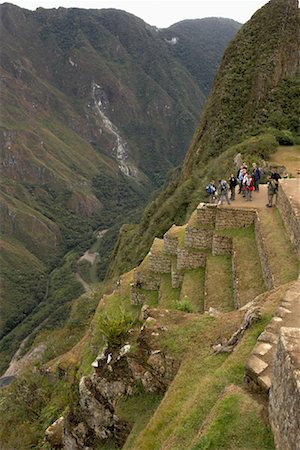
column 253, row 106
column 96, row 108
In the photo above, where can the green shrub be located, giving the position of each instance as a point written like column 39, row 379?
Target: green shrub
column 184, row 305
column 115, row 326
column 285, row 137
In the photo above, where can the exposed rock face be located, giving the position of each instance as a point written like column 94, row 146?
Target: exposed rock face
column 54, row 433
column 98, row 397
column 116, row 373
column 284, row 403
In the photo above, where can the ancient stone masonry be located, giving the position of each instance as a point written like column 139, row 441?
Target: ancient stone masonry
column 290, row 211
column 284, row 405
column 206, row 214
column 170, row 244
column 266, row 268
column 186, row 259
column 146, row 279
column 136, row 296
column 221, row 245
column 198, row 238
column 259, row 367
column 159, row 263
column 234, row 218
column 176, row 278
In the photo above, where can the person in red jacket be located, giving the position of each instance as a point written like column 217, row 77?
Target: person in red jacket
column 249, row 186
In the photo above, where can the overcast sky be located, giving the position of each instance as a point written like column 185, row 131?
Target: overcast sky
column 161, row 13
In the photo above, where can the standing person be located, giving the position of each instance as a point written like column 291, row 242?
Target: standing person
column 272, row 190
column 240, row 176
column 223, row 191
column 212, row 191
column 232, row 186
column 249, row 187
column 275, row 175
column 244, row 181
column 256, row 177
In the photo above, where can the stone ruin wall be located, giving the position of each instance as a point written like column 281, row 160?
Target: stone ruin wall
column 234, row 218
column 190, row 260
column 221, row 245
column 170, row 244
column 206, row 214
column 148, row 280
column 176, row 278
column 159, row 263
column 198, row 238
column 284, row 400
column 290, row 217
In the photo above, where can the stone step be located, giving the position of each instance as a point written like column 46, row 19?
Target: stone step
column 259, row 367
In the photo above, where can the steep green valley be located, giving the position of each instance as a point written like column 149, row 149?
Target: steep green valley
column 92, row 119
column 135, row 313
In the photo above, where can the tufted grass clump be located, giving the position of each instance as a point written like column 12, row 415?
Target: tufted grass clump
column 115, row 325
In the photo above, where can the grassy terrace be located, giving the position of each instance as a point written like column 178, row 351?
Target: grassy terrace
column 193, row 288
column 218, row 283
column 282, row 257
column 188, row 407
column 248, row 267
column 168, row 297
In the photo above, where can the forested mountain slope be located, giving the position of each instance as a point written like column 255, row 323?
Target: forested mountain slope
column 254, row 105
column 95, row 109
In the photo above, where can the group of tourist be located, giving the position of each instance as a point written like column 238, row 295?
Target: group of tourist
column 247, row 181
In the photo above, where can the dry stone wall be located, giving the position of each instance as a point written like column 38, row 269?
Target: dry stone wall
column 234, row 218
column 206, row 214
column 190, row 260
column 147, row 280
column 159, row 263
column 176, row 278
column 221, row 245
column 290, row 216
column 136, row 296
column 284, row 410
column 170, row 244
column 198, row 238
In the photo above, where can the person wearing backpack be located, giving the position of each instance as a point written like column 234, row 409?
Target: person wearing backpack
column 212, row 191
column 272, row 190
column 223, row 191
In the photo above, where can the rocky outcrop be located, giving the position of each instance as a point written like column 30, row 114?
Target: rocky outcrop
column 116, row 372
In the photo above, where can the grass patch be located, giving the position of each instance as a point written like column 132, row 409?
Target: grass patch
column 218, row 283
column 193, row 288
column 168, row 297
column 282, row 257
column 248, row 265
column 237, row 424
column 151, row 297
column 289, row 157
column 137, row 410
column 190, row 399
